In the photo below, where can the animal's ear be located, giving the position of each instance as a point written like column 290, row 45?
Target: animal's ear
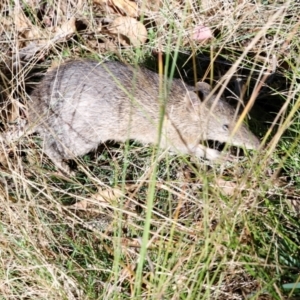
column 203, row 89
column 197, row 95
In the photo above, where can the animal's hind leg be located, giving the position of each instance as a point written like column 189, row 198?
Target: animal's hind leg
column 51, row 149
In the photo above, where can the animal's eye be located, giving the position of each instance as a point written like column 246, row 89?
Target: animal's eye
column 225, row 127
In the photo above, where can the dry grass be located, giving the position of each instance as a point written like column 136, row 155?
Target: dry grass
column 135, row 223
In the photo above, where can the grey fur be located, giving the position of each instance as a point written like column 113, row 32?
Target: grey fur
column 81, row 104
